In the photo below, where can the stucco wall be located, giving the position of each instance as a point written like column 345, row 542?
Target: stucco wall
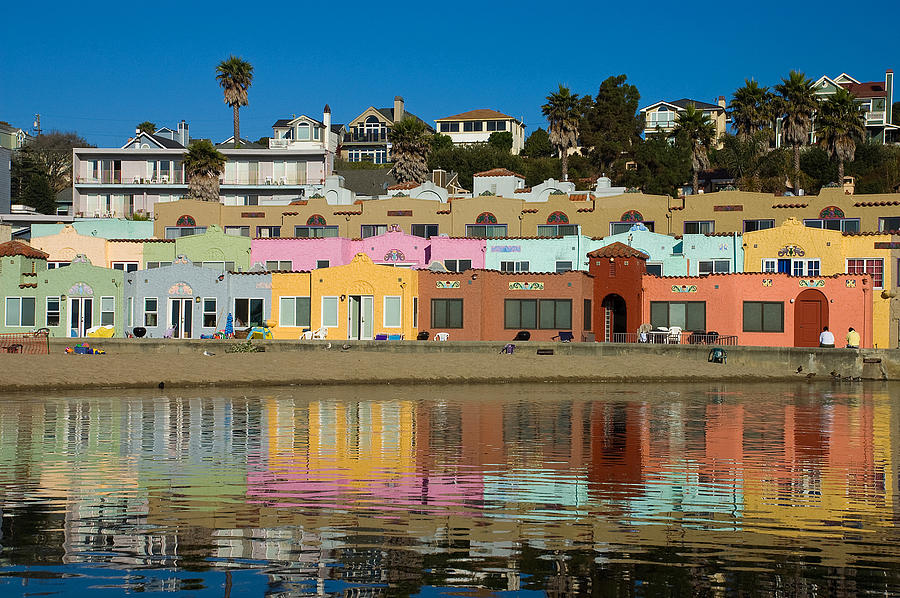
column 457, row 248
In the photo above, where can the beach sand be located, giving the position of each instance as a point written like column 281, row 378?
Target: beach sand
column 355, row 366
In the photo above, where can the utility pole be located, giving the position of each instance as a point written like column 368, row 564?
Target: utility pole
column 37, row 124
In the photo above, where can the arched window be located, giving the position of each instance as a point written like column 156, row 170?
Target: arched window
column 185, row 220
column 315, row 220
column 303, row 132
column 486, row 218
column 557, row 218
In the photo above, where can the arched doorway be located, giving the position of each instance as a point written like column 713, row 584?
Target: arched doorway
column 810, row 315
column 614, row 317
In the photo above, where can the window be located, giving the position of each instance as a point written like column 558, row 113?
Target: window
column 210, row 312
column 248, row 312
column 315, row 232
column 294, row 312
column 889, row 224
column 55, row 265
column 125, row 266
column 544, row 314
column 329, row 312
column 129, row 312
column 303, row 132
column 472, row 125
column 761, row 224
column 769, row 266
column 173, row 232
column 279, row 265
column 514, row 266
column 563, row 266
column 220, row 267
column 52, row 312
column 486, row 231
column 426, row 231
column 151, row 265
column 107, row 311
column 556, row 230
column 846, row 225
column 449, row 127
column 20, row 311
column 699, row 227
column 496, row 125
column 392, row 312
column 654, row 269
column 458, row 265
column 322, row 263
column 763, row 316
column 151, row 312
column 446, row 313
column 415, row 312
column 715, row 267
column 266, row 232
column 872, row 267
column 237, row 231
column 370, row 230
column 623, row 227
column 687, row 315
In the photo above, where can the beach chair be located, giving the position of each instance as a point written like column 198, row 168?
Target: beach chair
column 395, row 337
column 381, row 337
column 564, row 336
column 319, row 334
column 674, row 337
column 442, row 336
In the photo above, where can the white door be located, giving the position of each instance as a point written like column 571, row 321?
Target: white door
column 81, row 315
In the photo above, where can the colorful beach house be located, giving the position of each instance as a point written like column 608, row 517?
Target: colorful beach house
column 124, row 254
column 68, row 301
column 800, row 250
column 210, row 247
column 458, row 254
column 181, row 300
column 360, row 300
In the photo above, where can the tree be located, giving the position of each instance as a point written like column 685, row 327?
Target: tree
column 38, row 194
column 501, row 140
column 410, row 146
column 147, row 127
column 439, row 142
column 235, row 76
column 751, row 109
column 466, row 160
column 662, row 166
column 563, row 111
column 538, row 145
column 611, row 125
column 742, row 157
column 895, row 113
column 695, row 132
column 53, row 154
column 797, row 103
column 203, row 165
column 263, row 141
column 841, row 123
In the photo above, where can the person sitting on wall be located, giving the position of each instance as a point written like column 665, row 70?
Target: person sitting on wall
column 852, row 338
column 826, row 338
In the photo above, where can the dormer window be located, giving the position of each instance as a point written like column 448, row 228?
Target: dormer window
column 303, row 132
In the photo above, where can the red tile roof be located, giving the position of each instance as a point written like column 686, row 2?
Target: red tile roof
column 498, row 172
column 347, row 213
column 154, row 240
column 530, row 211
column 11, row 248
column 408, row 185
column 579, row 197
column 299, row 202
column 618, row 249
column 874, row 204
column 523, row 190
column 790, row 205
column 866, row 89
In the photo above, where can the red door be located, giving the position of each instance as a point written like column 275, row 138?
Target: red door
column 810, row 315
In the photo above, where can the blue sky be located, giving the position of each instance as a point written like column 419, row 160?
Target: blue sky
column 99, row 68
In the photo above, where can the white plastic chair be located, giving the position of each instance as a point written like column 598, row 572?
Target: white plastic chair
column 674, row 335
column 442, row 336
column 319, row 334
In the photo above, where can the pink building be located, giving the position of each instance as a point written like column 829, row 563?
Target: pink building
column 458, row 253
column 764, row 309
column 394, row 248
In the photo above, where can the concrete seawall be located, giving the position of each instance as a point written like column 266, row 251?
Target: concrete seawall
column 147, row 363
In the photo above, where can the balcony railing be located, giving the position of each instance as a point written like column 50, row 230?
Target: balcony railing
column 875, row 118
column 366, row 137
column 665, row 337
column 120, row 180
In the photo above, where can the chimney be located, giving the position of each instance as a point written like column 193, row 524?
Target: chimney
column 326, row 120
column 722, row 102
column 889, row 96
column 398, row 109
column 137, row 132
column 184, row 137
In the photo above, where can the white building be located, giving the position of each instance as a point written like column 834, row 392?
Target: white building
column 476, row 126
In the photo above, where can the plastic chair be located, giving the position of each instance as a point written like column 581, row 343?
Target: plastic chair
column 674, row 337
column 381, row 337
column 319, row 334
column 442, row 336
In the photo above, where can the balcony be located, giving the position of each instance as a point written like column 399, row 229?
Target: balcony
column 875, row 118
column 117, row 179
column 366, row 137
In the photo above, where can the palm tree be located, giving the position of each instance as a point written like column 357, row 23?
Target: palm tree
column 235, row 76
column 203, row 165
column 410, row 146
column 751, row 109
column 563, row 111
column 842, row 122
column 797, row 104
column 147, row 127
column 743, row 158
column 697, row 132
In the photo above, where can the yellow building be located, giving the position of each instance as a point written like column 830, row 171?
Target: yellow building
column 801, row 250
column 359, row 300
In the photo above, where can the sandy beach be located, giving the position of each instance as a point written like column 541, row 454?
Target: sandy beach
column 356, row 366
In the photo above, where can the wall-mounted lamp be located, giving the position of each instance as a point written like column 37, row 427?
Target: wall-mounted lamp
column 792, row 300
column 220, row 278
column 343, row 297
column 197, row 300
column 474, row 276
column 611, row 260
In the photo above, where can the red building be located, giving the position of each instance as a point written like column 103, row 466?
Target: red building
column 618, row 271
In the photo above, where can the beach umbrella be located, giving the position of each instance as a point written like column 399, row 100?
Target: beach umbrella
column 229, row 325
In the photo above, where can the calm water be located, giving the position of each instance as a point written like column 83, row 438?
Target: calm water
column 674, row 490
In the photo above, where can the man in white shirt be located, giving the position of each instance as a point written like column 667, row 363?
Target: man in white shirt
column 826, row 338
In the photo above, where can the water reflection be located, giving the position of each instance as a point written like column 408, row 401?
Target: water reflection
column 560, row 490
